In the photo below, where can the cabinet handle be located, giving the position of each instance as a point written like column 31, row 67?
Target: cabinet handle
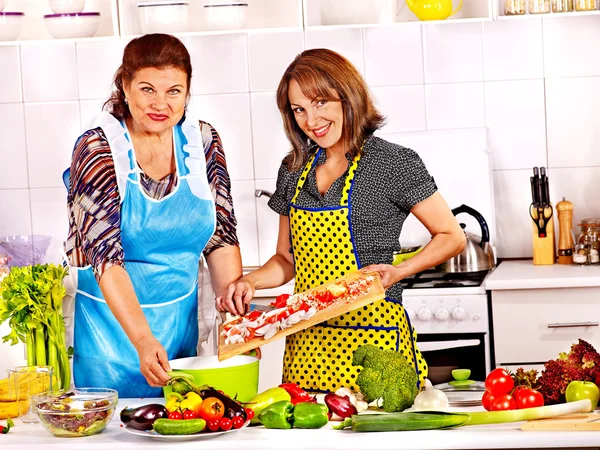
column 573, row 325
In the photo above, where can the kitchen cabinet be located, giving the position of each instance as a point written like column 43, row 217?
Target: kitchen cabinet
column 327, row 13
column 540, row 311
column 261, row 14
column 34, row 26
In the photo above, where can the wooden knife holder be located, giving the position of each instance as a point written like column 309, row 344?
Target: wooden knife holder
column 544, row 248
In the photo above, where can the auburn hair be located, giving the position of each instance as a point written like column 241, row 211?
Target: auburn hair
column 151, row 50
column 325, row 74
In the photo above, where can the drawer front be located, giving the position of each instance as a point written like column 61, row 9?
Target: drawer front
column 533, row 326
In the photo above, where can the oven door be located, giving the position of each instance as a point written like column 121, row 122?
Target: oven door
column 446, row 352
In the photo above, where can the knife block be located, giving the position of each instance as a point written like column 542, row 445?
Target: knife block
column 544, row 252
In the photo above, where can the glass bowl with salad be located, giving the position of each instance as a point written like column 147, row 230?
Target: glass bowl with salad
column 76, row 412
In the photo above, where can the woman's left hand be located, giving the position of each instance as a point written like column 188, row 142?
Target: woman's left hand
column 389, row 274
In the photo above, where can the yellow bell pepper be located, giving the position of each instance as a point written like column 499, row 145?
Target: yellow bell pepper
column 173, row 402
column 191, row 401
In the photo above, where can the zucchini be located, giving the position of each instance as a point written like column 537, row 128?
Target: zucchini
column 170, row 426
column 401, row 421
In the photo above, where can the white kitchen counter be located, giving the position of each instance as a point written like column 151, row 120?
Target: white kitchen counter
column 34, row 437
column 522, row 274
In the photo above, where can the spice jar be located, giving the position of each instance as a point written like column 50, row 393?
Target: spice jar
column 586, row 5
column 559, row 6
column 539, row 6
column 580, row 255
column 588, row 244
column 514, row 7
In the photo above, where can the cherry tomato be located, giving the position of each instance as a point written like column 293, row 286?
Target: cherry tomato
column 226, row 424
column 487, row 400
column 211, row 408
column 175, row 415
column 214, row 425
column 249, row 413
column 237, row 422
column 503, row 402
column 499, row 382
column 528, row 398
column 189, row 414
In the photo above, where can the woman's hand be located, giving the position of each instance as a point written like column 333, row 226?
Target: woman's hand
column 154, row 362
column 389, row 274
column 236, row 298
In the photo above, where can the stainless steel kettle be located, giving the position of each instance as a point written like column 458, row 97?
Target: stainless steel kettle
column 478, row 254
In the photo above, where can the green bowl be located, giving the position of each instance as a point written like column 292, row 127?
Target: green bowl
column 461, row 374
column 405, row 254
column 236, row 376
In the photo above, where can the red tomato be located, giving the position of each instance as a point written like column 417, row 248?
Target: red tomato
column 528, row 398
column 499, row 382
column 189, row 414
column 487, row 400
column 237, row 422
column 175, row 415
column 226, row 424
column 249, row 413
column 503, row 402
column 214, row 425
column 211, row 408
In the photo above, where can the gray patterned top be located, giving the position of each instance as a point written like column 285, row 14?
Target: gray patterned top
column 389, row 181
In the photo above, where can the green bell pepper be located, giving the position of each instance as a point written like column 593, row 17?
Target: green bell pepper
column 278, row 415
column 259, row 402
column 310, row 415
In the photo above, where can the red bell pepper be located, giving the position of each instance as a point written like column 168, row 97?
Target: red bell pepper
column 297, row 394
column 280, row 301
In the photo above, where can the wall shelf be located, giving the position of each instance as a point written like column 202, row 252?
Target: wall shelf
column 499, row 13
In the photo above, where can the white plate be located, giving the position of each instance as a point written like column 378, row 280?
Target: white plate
column 183, row 437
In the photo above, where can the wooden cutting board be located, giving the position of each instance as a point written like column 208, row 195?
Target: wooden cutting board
column 569, row 422
column 377, row 292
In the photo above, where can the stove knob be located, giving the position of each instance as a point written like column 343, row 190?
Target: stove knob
column 459, row 313
column 411, row 314
column 441, row 314
column 424, row 314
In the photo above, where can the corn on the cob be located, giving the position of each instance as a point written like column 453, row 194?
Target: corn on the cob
column 11, row 409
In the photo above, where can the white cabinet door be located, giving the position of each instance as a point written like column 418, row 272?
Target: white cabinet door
column 534, row 325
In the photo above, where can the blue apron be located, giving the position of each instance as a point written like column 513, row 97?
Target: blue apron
column 162, row 243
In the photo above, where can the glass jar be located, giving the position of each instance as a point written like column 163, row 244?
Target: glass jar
column 559, row 6
column 588, row 242
column 586, row 5
column 580, row 255
column 539, row 6
column 514, row 7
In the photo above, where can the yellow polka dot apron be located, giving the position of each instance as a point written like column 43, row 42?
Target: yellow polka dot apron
column 319, row 359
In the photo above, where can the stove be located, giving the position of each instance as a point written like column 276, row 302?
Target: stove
column 432, row 279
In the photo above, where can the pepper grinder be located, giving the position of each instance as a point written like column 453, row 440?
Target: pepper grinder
column 564, row 210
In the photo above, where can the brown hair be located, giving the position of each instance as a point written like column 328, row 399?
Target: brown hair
column 150, row 50
column 327, row 75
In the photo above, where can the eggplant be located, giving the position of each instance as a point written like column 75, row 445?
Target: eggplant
column 143, row 417
column 232, row 407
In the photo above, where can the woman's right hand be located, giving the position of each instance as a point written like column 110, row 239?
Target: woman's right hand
column 238, row 295
column 154, row 362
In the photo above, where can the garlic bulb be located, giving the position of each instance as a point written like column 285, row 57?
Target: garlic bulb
column 430, row 399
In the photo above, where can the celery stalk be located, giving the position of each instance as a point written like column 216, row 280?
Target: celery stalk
column 518, row 415
column 40, row 346
column 53, row 357
column 30, row 348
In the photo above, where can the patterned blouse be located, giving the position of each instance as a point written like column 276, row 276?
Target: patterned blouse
column 94, row 205
column 389, row 181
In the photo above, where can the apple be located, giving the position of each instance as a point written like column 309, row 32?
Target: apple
column 578, row 390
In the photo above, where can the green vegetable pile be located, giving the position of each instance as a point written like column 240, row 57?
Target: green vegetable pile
column 386, row 375
column 31, row 300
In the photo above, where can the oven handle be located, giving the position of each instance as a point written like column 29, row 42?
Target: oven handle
column 446, row 345
column 573, row 325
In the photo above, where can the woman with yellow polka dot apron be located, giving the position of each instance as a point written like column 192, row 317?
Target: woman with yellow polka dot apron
column 342, row 195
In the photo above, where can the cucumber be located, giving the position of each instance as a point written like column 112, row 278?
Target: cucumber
column 404, row 421
column 170, row 426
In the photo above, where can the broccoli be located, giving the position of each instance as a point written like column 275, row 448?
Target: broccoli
column 386, row 375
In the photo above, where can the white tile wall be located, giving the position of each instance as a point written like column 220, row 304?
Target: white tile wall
column 346, row 41
column 49, row 217
column 49, row 72
column 268, row 62
column 230, row 116
column 10, row 68
column 13, row 151
column 534, row 83
column 453, row 53
column 52, row 129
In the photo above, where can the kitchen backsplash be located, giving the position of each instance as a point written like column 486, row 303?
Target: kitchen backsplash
column 534, row 83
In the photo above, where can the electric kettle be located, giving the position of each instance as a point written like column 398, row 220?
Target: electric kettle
column 478, row 254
